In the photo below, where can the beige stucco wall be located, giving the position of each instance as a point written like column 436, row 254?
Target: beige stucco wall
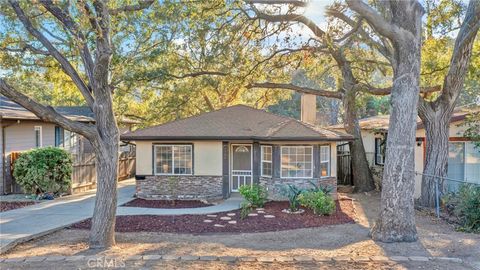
column 207, row 157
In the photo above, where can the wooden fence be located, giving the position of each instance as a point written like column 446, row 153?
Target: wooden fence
column 84, row 174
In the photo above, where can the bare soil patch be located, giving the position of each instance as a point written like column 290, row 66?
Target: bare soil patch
column 271, row 218
column 6, row 206
column 170, row 204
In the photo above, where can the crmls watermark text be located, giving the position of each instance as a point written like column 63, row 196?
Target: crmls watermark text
column 103, row 262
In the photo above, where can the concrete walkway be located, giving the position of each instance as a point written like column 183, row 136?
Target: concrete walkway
column 23, row 224
column 230, row 204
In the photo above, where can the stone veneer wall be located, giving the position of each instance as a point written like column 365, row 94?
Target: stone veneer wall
column 274, row 185
column 188, row 187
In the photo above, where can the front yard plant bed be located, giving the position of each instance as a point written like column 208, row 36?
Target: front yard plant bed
column 166, row 203
column 5, row 206
column 269, row 218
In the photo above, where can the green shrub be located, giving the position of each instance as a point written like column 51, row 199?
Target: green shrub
column 325, row 189
column 47, row 169
column 255, row 195
column 318, row 201
column 292, row 193
column 466, row 207
column 245, row 209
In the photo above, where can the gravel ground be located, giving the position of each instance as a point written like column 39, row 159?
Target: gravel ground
column 436, row 238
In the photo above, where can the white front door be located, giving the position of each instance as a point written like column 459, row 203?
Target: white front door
column 241, row 166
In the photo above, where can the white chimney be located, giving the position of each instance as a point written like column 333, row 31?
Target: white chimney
column 309, row 109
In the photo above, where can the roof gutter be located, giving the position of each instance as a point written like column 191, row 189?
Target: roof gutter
column 210, row 138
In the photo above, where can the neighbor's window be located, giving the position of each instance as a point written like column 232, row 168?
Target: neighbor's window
column 173, row 159
column 38, row 136
column 65, row 138
column 266, row 160
column 380, row 151
column 297, row 161
column 463, row 162
column 324, row 160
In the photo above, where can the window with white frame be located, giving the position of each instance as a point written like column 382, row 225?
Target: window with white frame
column 266, row 160
column 38, row 136
column 324, row 160
column 173, row 159
column 297, row 161
column 463, row 162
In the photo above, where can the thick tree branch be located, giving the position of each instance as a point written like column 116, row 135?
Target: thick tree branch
column 376, row 20
column 300, row 89
column 64, row 63
column 462, row 53
column 45, row 113
column 142, row 4
column 290, row 17
column 26, row 47
column 73, row 28
column 387, row 90
column 297, row 3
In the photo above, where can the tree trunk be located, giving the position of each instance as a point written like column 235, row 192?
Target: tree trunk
column 397, row 217
column 437, row 133
column 362, row 178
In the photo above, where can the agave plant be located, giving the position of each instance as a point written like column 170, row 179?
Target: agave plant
column 292, row 193
column 326, row 190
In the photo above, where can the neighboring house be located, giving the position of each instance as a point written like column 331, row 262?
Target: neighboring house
column 463, row 158
column 21, row 130
column 211, row 155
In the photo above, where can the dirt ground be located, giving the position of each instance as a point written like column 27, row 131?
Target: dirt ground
column 436, row 238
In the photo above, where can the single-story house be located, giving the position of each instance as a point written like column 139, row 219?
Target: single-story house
column 209, row 156
column 21, row 130
column 463, row 157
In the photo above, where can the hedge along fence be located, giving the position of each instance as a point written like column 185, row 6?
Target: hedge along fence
column 84, row 175
column 44, row 170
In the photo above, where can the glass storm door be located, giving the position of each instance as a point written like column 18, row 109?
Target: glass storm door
column 241, row 166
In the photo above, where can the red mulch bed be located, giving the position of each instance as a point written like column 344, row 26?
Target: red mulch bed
column 345, row 213
column 166, row 203
column 5, row 206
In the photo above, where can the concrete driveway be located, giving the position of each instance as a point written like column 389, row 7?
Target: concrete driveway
column 23, row 224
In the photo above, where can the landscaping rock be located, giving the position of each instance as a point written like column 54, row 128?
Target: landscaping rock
column 219, row 225
column 75, row 258
column 14, row 260
column 303, row 259
column 228, row 258
column 36, row 259
column 232, row 222
column 170, row 257
column 231, row 214
column 151, row 257
column 261, row 212
column 252, row 214
column 260, row 209
column 284, row 259
column 269, row 216
column 211, row 215
column 266, row 259
column 208, row 258
column 247, row 259
column 418, row 259
column 225, row 218
column 189, row 258
column 379, row 258
column 55, row 258
column 399, row 258
column 208, row 221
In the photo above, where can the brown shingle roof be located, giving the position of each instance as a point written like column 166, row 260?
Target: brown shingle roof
column 236, row 123
column 380, row 122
